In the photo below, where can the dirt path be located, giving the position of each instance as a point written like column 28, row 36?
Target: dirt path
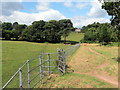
column 103, row 77
column 82, row 64
column 105, row 63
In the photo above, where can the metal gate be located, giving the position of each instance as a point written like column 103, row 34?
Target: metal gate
column 61, row 60
column 35, row 70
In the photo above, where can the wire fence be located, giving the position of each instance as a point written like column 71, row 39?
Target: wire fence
column 69, row 51
column 34, row 71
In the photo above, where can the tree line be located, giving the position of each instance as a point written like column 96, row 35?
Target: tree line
column 100, row 32
column 106, row 32
column 39, row 31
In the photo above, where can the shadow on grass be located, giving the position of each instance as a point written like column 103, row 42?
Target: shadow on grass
column 62, row 41
column 117, row 59
column 69, row 42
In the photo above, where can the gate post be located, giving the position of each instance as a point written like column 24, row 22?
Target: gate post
column 48, row 64
column 58, row 62
column 64, row 60
column 28, row 62
column 40, row 58
column 20, row 77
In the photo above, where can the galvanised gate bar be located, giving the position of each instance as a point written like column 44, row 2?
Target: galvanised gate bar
column 35, row 70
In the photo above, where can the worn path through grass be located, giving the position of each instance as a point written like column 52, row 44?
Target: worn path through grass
column 91, row 66
column 97, row 61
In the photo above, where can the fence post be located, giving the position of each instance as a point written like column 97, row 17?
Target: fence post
column 58, row 51
column 41, row 68
column 28, row 62
column 48, row 64
column 64, row 60
column 20, row 77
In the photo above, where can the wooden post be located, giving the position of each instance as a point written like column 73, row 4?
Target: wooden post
column 48, row 64
column 41, row 68
column 28, row 73
column 20, row 77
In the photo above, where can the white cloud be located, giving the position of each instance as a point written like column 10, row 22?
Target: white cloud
column 96, row 14
column 8, row 7
column 96, row 10
column 68, row 4
column 28, row 18
column 51, row 14
column 42, row 6
column 81, row 5
column 80, row 21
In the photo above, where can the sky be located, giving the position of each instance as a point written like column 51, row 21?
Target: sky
column 81, row 13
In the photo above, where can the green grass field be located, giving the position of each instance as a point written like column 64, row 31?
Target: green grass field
column 74, row 37
column 88, row 58
column 16, row 53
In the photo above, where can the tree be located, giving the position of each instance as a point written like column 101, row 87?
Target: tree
column 15, row 25
column 28, row 33
column 66, row 27
column 34, row 32
column 65, row 33
column 52, row 31
column 6, row 34
column 21, row 27
column 94, row 25
column 113, row 9
column 91, row 34
column 6, row 30
column 17, row 30
column 7, row 26
column 104, row 35
column 38, row 27
column 0, row 29
column 39, row 31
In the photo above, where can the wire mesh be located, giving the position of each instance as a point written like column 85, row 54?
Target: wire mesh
column 69, row 51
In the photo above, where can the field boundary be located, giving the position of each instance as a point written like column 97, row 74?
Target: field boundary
column 45, row 60
column 43, row 63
